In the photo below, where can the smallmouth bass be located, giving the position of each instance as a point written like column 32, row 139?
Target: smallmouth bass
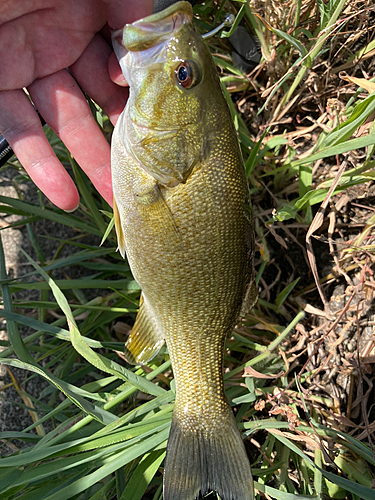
column 181, row 208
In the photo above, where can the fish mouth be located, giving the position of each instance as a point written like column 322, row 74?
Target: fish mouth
column 142, row 48
column 149, row 33
column 155, row 29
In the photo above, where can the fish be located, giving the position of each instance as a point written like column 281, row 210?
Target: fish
column 182, row 215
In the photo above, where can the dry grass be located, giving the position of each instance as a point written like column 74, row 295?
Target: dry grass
column 329, row 246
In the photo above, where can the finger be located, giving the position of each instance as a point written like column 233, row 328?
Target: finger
column 115, row 72
column 62, row 104
column 21, row 127
column 120, row 12
column 91, row 72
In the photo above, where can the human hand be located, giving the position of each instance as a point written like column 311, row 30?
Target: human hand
column 39, row 39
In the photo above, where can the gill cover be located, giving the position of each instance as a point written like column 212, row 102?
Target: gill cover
column 162, row 124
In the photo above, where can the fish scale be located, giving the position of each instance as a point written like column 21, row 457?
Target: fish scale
column 181, row 206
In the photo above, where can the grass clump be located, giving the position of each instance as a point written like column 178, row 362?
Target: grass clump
column 298, row 370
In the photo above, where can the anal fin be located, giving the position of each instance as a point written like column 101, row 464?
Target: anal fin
column 145, row 340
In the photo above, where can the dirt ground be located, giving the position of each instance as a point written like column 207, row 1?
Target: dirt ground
column 13, row 413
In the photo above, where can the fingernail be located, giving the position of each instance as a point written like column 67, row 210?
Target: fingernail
column 72, row 209
column 120, row 80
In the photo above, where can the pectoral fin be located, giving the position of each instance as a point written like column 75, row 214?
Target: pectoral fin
column 145, row 340
column 155, row 211
column 118, row 227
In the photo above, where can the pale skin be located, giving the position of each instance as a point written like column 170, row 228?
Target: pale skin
column 39, row 39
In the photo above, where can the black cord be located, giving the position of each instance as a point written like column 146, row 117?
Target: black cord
column 6, row 152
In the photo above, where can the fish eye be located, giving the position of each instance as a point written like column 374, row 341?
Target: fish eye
column 187, row 74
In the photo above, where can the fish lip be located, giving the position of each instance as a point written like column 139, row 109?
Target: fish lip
column 161, row 25
column 146, row 38
column 140, row 45
column 182, row 6
column 156, row 28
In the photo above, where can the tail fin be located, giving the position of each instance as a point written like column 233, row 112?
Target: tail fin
column 197, row 463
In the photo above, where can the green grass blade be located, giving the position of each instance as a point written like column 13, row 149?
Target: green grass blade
column 107, row 232
column 346, row 129
column 284, row 293
column 51, row 214
column 338, row 149
column 281, row 495
column 291, row 40
column 57, row 332
column 118, row 461
column 13, row 333
column 24, row 436
column 72, row 392
column 127, row 285
column 104, row 492
column 361, row 491
column 95, row 359
column 143, row 475
column 87, row 196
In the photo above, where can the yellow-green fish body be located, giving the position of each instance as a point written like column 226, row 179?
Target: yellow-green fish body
column 182, row 217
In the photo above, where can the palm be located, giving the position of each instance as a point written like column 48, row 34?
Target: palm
column 43, row 41
column 38, row 40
